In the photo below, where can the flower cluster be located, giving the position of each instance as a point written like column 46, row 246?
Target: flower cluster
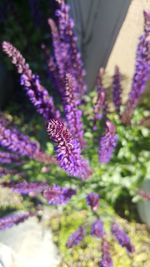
column 57, row 195
column 12, row 219
column 76, row 237
column 106, row 260
column 68, row 151
column 15, row 141
column 117, row 89
column 37, row 94
column 122, row 237
column 97, row 229
column 7, row 158
column 141, row 73
column 108, row 143
column 93, row 200
column 100, row 107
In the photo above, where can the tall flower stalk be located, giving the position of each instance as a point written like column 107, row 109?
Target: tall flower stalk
column 108, row 143
column 117, row 90
column 68, row 151
column 37, row 94
column 142, row 71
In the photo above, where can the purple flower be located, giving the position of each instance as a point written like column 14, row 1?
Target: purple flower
column 141, row 73
column 117, row 89
column 93, row 200
column 76, row 237
column 72, row 113
column 37, row 94
column 122, row 237
column 66, row 58
column 108, row 142
column 106, row 260
column 57, row 195
column 100, row 107
column 12, row 219
column 68, row 151
column 7, row 158
column 21, row 144
column 26, row 188
column 97, row 229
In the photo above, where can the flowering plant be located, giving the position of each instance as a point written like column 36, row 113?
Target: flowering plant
column 66, row 128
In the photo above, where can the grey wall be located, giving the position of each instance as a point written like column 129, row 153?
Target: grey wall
column 97, row 25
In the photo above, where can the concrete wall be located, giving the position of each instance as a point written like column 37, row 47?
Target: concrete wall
column 123, row 52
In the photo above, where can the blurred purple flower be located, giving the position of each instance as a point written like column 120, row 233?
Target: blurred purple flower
column 7, row 158
column 97, row 229
column 72, row 113
column 106, row 260
column 122, row 237
column 76, row 237
column 141, row 73
column 93, row 200
column 117, row 89
column 37, row 94
column 57, row 195
column 12, row 219
column 100, row 107
column 26, row 188
column 108, row 143
column 21, row 144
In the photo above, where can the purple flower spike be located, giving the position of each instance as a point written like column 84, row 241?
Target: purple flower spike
column 108, row 142
column 117, row 89
column 37, row 94
column 97, row 229
column 68, row 151
column 7, row 158
column 93, row 200
column 76, row 238
column 100, row 107
column 21, row 144
column 122, row 237
column 72, row 113
column 57, row 195
column 26, row 188
column 106, row 260
column 141, row 73
column 12, row 219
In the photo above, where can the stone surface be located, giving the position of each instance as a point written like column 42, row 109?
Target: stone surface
column 28, row 244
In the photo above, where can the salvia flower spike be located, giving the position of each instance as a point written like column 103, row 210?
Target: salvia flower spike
column 93, row 200
column 37, row 94
column 141, row 73
column 106, row 260
column 7, row 158
column 21, row 144
column 97, row 229
column 76, row 237
column 72, row 112
column 117, row 89
column 13, row 219
column 68, row 151
column 122, row 237
column 108, row 143
column 100, row 107
column 56, row 195
column 26, row 188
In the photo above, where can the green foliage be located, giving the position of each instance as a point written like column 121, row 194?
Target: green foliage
column 88, row 253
